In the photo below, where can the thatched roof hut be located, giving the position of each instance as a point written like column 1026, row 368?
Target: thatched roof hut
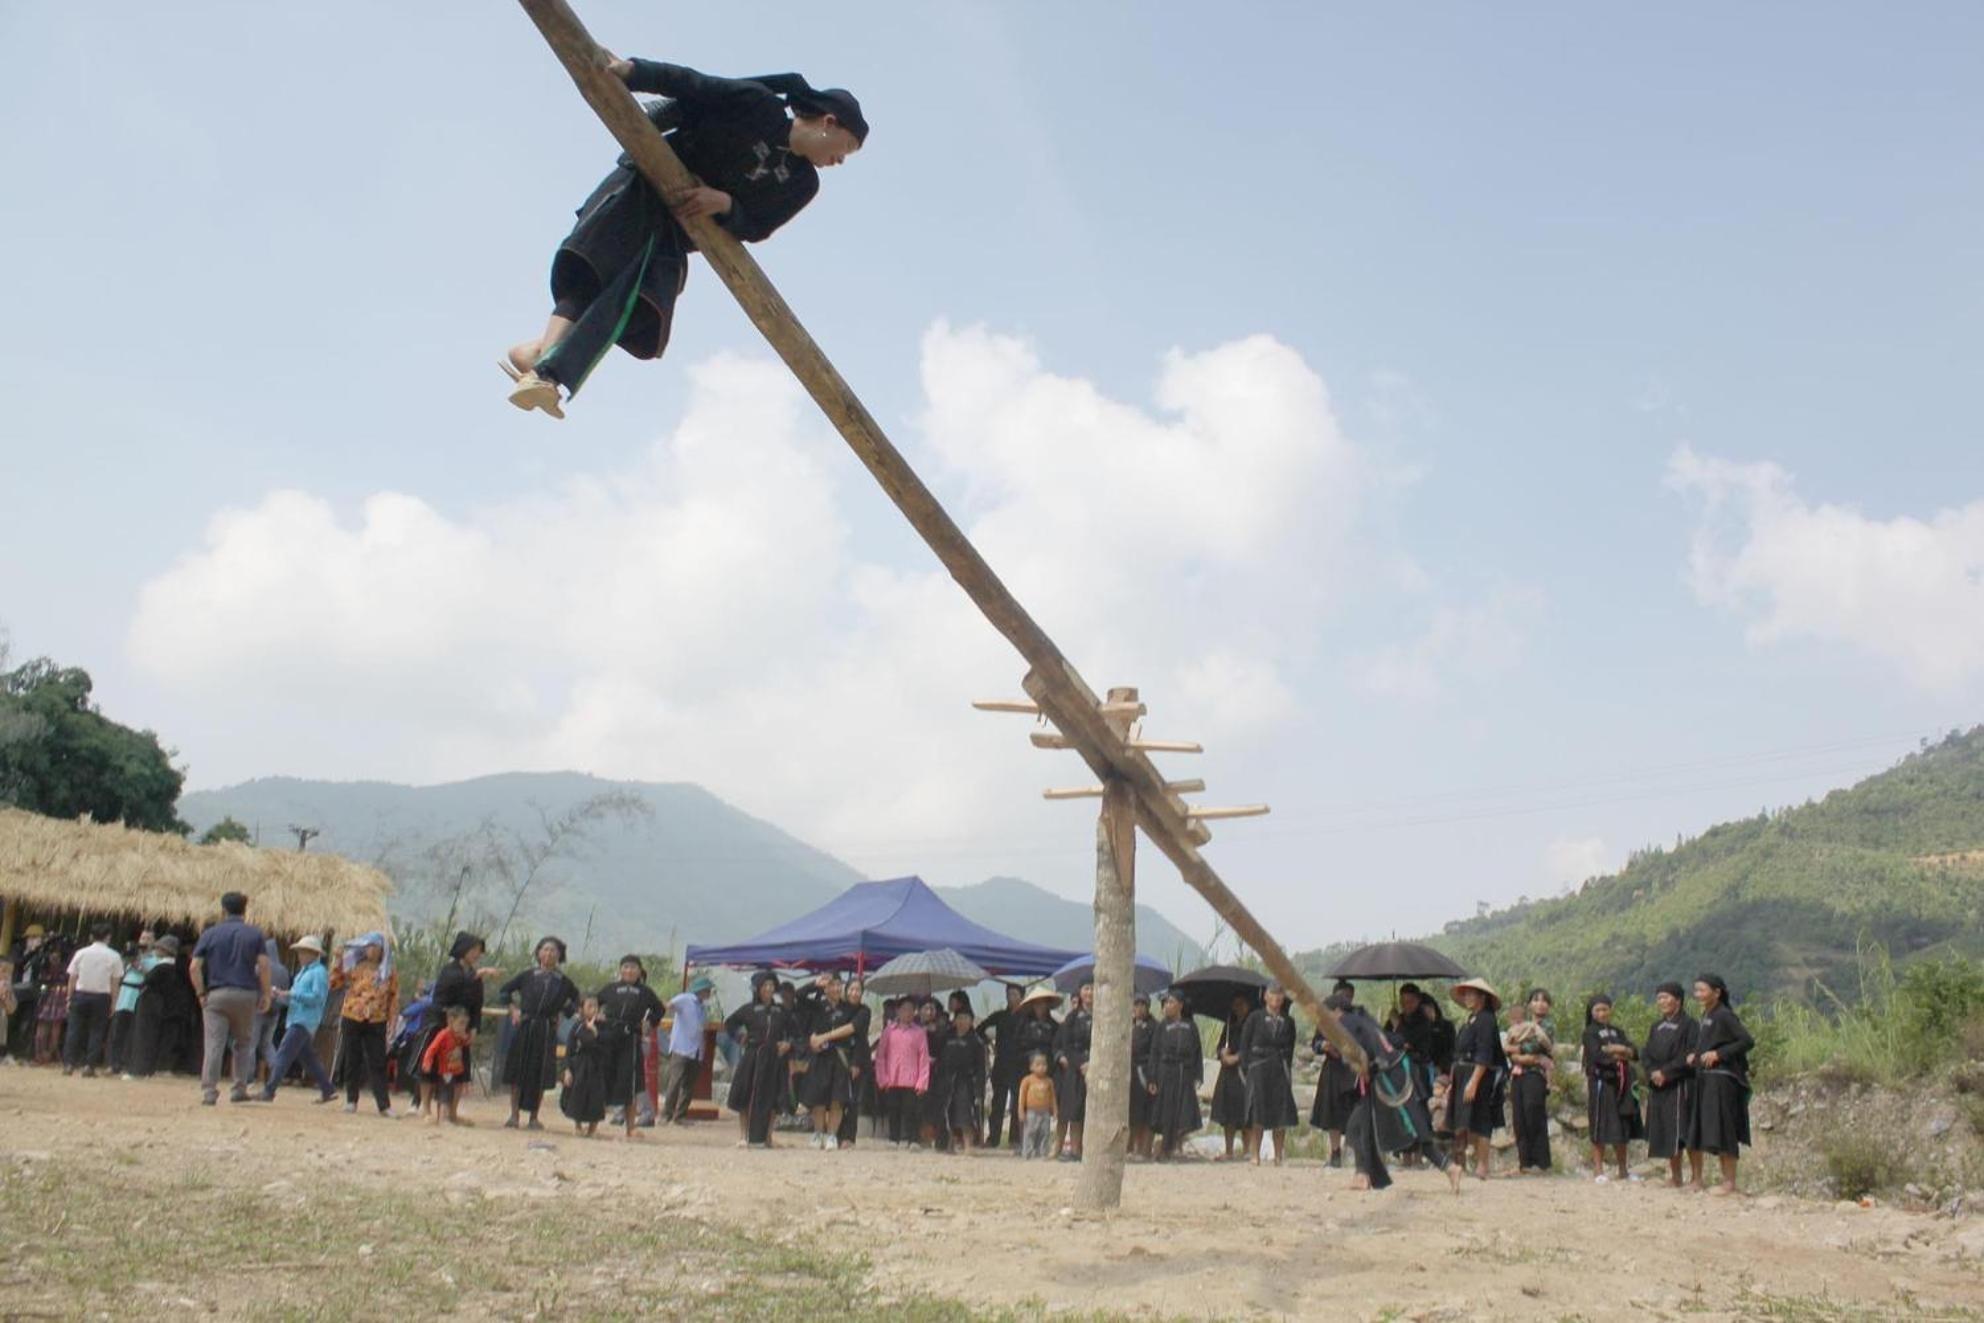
column 55, row 866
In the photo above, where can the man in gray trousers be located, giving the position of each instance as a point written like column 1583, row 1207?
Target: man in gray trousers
column 230, row 973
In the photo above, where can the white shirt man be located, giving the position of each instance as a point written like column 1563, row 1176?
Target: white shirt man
column 94, row 973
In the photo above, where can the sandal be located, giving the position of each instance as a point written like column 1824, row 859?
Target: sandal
column 534, row 392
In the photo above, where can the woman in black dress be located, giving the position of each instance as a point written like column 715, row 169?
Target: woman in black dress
column 1229, row 1087
column 165, row 1002
column 1336, row 1086
column 1267, row 1059
column 538, row 998
column 827, row 1088
column 460, row 983
column 627, row 1006
column 1670, row 1085
column 1173, row 1067
column 1612, row 1107
column 1532, row 1049
column 757, row 1083
column 1071, row 1051
column 1721, row 1061
column 582, row 1095
column 936, row 1032
column 756, row 146
column 1142, row 1027
column 860, row 1066
column 960, row 1072
column 1474, row 1095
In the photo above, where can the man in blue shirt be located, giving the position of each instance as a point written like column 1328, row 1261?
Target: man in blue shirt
column 685, row 1050
column 230, row 973
column 308, row 992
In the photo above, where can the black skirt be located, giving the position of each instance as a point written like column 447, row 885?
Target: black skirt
column 1271, row 1096
column 1614, row 1117
column 1667, row 1119
column 1229, row 1098
column 1139, row 1101
column 531, row 1062
column 1336, row 1096
column 961, row 1106
column 1071, row 1092
column 620, row 1053
column 1174, row 1110
column 584, row 1099
column 612, row 232
column 1722, row 1113
column 826, row 1082
column 738, row 1099
column 1484, row 1117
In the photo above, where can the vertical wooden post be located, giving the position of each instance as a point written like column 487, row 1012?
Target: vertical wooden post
column 1106, row 1129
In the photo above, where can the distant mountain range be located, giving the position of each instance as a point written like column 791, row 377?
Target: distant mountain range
column 1772, row 902
column 636, row 865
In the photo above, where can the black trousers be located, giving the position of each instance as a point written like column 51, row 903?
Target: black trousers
column 1529, row 1112
column 903, row 1108
column 89, row 1027
column 120, row 1039
column 1005, row 1108
column 365, row 1059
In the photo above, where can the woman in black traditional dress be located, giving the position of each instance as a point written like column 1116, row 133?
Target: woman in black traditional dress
column 1670, row 1085
column 1267, row 1059
column 756, row 147
column 1173, row 1067
column 1532, row 1050
column 582, row 1096
column 1474, row 1095
column 1721, row 1061
column 1142, row 1027
column 1002, row 1030
column 960, row 1071
column 627, row 1006
column 757, row 1082
column 165, row 1001
column 538, row 998
column 860, row 1067
column 1336, row 1085
column 460, row 983
column 827, row 1087
column 1071, row 1052
column 936, row 1032
column 1612, row 1107
column 1229, row 1087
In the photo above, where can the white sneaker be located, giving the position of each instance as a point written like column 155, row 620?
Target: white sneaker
column 833, row 1143
column 127, row 1075
column 350, row 1108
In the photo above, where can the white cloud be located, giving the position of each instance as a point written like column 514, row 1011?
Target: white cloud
column 1909, row 591
column 1467, row 642
column 703, row 615
column 1568, row 861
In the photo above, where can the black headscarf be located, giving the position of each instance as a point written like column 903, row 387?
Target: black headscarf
column 1715, row 981
column 806, row 100
column 465, row 941
column 558, row 942
column 1600, row 1000
column 1672, row 989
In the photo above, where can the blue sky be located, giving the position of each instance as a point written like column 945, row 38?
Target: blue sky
column 1532, row 253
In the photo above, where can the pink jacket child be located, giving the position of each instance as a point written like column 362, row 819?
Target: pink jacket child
column 902, row 1057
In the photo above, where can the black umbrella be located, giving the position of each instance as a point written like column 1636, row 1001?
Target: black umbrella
column 1210, row 991
column 1396, row 960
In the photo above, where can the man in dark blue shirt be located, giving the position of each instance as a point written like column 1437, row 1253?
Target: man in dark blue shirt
column 231, row 978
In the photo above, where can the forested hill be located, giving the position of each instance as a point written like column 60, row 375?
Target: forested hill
column 1771, row 902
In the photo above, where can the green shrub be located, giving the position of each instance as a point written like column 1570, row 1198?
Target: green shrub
column 1861, row 1162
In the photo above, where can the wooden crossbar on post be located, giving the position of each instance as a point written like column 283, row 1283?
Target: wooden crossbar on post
column 1052, row 681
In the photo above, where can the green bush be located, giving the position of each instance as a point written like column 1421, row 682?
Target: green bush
column 1861, row 1162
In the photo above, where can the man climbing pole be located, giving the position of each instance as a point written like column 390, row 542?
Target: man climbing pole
column 757, row 145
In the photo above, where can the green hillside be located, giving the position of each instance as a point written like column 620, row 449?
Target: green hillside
column 1771, row 902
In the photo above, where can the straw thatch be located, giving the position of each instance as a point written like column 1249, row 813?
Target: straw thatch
column 58, row 866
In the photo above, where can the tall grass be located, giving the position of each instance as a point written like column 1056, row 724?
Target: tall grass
column 1902, row 1024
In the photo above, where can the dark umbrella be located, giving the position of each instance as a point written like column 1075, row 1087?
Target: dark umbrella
column 1210, row 991
column 1396, row 960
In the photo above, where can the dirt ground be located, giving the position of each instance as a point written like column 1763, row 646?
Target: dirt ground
column 130, row 1198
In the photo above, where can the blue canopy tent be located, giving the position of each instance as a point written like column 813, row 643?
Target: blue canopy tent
column 874, row 922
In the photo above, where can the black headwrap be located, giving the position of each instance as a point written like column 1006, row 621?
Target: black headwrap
column 465, row 941
column 1672, row 989
column 810, row 101
column 635, row 961
column 558, row 942
column 1715, row 981
column 1600, row 1000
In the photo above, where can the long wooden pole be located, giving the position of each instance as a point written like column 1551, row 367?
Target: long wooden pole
column 1111, row 1073
column 1052, row 680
